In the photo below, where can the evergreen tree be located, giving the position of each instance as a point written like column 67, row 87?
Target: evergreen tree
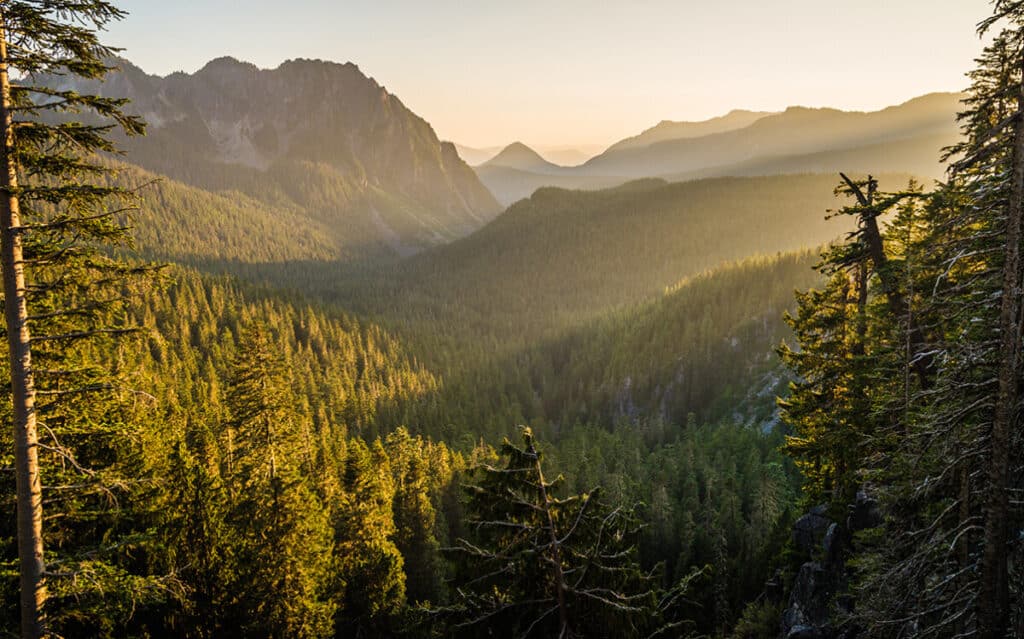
column 543, row 565
column 199, row 540
column 368, row 564
column 821, row 403
column 416, row 517
column 944, row 568
column 59, row 286
column 939, row 430
column 281, row 537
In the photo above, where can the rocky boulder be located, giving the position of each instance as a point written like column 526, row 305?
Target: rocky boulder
column 809, row 531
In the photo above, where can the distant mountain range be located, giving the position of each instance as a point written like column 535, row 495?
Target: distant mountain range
column 797, row 130
column 310, row 135
column 903, row 138
column 315, row 161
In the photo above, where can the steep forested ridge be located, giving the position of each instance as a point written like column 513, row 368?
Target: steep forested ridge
column 563, row 256
column 906, row 407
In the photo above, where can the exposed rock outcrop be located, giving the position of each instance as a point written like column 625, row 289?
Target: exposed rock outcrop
column 820, row 590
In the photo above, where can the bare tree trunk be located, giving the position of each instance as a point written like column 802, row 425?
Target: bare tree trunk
column 26, row 451
column 994, row 598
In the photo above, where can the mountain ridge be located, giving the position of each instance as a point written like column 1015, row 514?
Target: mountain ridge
column 795, row 130
column 673, row 129
column 907, row 137
column 318, row 135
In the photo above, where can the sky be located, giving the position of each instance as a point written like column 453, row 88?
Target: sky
column 560, row 73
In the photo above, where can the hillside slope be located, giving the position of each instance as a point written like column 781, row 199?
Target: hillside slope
column 918, row 156
column 561, row 258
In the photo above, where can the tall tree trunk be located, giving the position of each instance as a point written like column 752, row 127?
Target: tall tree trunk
column 994, row 599
column 26, row 450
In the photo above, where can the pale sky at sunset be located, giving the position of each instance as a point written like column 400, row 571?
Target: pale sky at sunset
column 571, row 72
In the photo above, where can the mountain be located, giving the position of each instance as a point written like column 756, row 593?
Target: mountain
column 522, row 158
column 918, row 155
column 797, row 130
column 518, row 170
column 313, row 135
column 587, row 306
column 669, row 130
column 181, row 223
column 510, row 185
column 702, row 347
column 907, row 138
column 560, row 155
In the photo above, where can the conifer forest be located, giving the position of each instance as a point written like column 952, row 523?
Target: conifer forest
column 281, row 362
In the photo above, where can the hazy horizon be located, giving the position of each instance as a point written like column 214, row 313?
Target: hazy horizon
column 582, row 76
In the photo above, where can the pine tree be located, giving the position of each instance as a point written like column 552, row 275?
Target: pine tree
column 282, row 541
column 548, row 566
column 369, row 566
column 415, row 517
column 820, row 402
column 54, row 212
column 199, row 540
column 943, row 346
column 944, row 567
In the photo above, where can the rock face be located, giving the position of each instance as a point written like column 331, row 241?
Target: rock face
column 809, row 530
column 864, row 513
column 315, row 134
column 820, row 588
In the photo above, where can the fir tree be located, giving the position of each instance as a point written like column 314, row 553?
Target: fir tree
column 281, row 538
column 58, row 217
column 369, row 566
column 543, row 565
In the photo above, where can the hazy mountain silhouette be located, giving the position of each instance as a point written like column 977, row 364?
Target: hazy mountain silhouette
column 510, row 185
column 917, row 156
column 797, row 130
column 561, row 155
column 905, row 138
column 669, row 130
column 522, row 158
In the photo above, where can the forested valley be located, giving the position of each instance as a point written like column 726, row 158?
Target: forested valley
column 316, row 383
